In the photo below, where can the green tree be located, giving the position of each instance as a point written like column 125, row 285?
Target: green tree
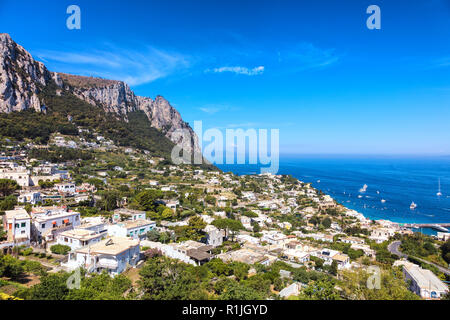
column 10, row 267
column 238, row 291
column 7, row 187
column 334, row 268
column 51, row 287
column 8, row 203
column 320, row 290
column 166, row 279
column 445, row 249
column 146, row 200
column 326, row 222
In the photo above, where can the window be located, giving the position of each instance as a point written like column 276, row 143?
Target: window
column 16, row 225
column 23, row 224
column 43, row 226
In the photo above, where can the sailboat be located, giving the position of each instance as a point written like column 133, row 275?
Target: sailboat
column 413, row 206
column 363, row 189
column 439, row 190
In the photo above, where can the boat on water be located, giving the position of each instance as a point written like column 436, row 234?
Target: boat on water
column 439, row 193
column 383, row 201
column 364, row 188
column 413, row 206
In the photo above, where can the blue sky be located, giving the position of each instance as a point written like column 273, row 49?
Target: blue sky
column 311, row 69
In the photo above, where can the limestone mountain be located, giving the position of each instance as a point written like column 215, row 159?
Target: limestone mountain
column 23, row 81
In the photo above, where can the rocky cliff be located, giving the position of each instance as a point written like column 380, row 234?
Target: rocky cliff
column 22, row 78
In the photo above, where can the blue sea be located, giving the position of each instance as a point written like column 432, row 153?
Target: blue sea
column 398, row 180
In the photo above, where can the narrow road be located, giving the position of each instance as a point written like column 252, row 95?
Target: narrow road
column 394, row 248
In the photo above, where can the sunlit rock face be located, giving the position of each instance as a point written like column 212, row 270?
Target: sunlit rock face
column 22, row 78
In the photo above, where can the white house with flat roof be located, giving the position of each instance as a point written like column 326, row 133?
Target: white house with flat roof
column 112, row 255
column 32, row 197
column 423, row 282
column 291, row 290
column 19, row 174
column 96, row 224
column 329, row 255
column 66, row 188
column 17, row 224
column 135, row 229
column 78, row 238
column 296, row 255
column 49, row 223
column 129, row 214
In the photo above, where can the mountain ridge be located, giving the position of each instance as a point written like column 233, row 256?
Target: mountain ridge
column 22, row 79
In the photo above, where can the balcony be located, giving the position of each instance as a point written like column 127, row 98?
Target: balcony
column 107, row 264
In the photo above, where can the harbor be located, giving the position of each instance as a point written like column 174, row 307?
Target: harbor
column 443, row 227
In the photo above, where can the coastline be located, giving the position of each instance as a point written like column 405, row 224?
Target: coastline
column 400, row 181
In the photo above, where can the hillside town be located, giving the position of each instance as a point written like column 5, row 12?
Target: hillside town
column 113, row 211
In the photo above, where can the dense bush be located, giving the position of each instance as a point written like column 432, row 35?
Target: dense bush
column 60, row 249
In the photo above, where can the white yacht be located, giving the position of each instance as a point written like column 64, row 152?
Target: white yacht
column 413, row 206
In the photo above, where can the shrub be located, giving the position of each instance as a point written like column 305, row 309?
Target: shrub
column 26, row 252
column 60, row 249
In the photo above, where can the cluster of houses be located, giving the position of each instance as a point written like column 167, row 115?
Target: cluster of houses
column 113, row 245
column 95, row 243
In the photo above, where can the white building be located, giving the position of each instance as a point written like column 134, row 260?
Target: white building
column 135, row 229
column 78, row 238
column 17, row 224
column 328, row 255
column 380, row 235
column 296, row 255
column 129, row 214
column 29, row 197
column 424, row 282
column 49, row 223
column 275, row 237
column 19, row 174
column 113, row 255
column 214, row 236
column 96, row 224
column 66, row 188
column 291, row 290
column 352, row 240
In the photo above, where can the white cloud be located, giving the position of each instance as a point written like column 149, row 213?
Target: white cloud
column 135, row 67
column 239, row 70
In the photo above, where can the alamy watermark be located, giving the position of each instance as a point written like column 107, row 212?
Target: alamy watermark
column 374, row 20
column 238, row 146
column 74, row 20
column 374, row 280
